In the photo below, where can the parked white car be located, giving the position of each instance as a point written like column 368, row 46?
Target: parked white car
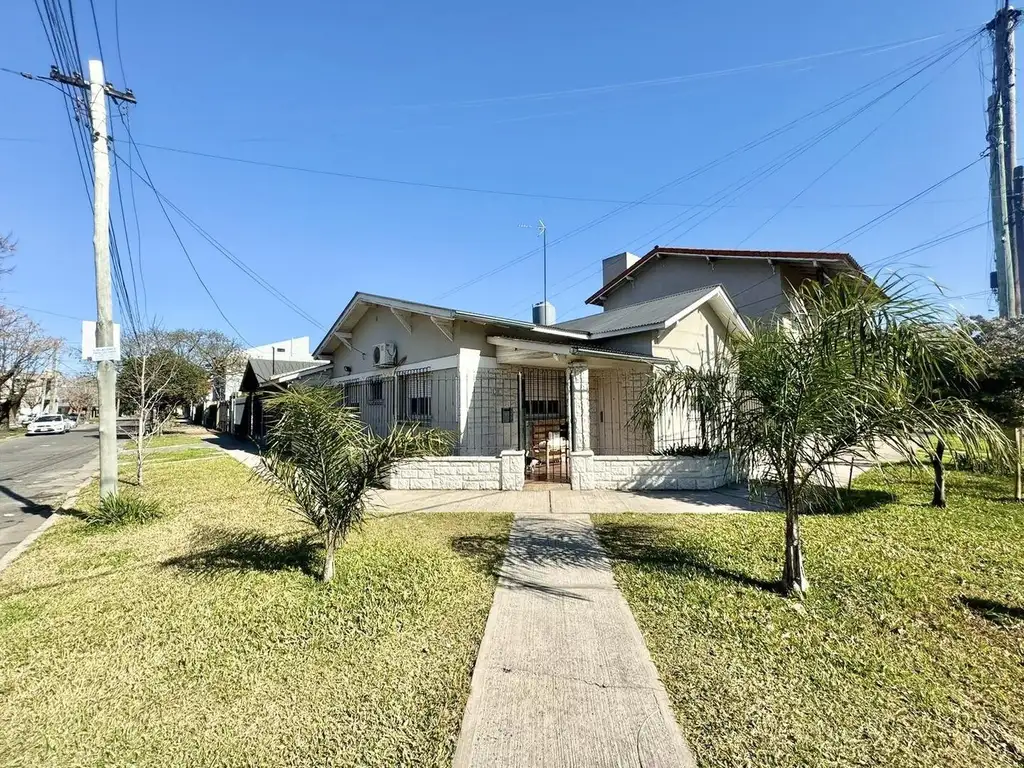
column 48, row 424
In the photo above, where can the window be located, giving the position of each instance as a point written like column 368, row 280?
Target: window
column 415, row 388
column 352, row 395
column 542, row 409
column 376, row 390
column 419, row 408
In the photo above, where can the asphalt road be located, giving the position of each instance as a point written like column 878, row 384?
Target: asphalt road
column 35, row 475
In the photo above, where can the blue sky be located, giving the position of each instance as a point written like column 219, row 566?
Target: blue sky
column 505, row 97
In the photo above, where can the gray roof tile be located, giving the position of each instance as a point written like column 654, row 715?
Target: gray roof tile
column 637, row 315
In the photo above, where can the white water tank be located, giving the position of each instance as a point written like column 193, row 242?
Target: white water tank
column 544, row 313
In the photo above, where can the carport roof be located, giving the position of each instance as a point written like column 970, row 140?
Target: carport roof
column 260, row 372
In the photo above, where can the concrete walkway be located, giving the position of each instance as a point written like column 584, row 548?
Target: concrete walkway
column 563, row 677
column 729, row 500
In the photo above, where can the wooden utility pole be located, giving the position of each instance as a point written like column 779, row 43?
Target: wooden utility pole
column 105, row 355
column 1005, row 185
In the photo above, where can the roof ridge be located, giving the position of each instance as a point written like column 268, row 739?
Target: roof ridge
column 710, row 287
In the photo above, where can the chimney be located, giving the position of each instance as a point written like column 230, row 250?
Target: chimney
column 543, row 313
column 614, row 266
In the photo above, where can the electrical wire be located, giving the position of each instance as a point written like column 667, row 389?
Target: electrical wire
column 181, row 243
column 857, row 145
column 731, row 192
column 237, row 261
column 712, row 164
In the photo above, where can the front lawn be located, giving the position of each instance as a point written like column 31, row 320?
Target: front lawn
column 170, row 438
column 201, row 640
column 909, row 650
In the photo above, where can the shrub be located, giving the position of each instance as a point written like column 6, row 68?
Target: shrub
column 124, row 508
column 686, row 450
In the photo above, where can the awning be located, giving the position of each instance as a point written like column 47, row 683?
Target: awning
column 545, row 354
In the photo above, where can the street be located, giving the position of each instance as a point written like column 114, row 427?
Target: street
column 36, row 473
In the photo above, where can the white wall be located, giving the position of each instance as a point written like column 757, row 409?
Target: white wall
column 289, row 349
column 698, row 341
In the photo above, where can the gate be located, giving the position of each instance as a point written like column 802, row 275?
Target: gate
column 545, row 425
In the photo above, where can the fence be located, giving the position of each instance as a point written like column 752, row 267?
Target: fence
column 693, row 430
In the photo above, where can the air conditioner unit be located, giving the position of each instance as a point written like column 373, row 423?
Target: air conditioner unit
column 384, row 355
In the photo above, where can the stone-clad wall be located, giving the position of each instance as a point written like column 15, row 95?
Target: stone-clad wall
column 460, row 473
column 648, row 473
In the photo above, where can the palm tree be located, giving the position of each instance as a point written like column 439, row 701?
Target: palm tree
column 860, row 366
column 326, row 461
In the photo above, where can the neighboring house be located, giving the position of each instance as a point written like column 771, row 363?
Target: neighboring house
column 296, row 349
column 761, row 283
column 262, row 377
column 503, row 385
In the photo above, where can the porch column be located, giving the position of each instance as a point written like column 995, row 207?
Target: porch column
column 579, row 406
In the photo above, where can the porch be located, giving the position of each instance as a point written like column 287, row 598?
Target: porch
column 537, row 414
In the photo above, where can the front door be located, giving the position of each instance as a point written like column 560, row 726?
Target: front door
column 545, row 425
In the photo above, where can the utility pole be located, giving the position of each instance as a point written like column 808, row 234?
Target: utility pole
column 1006, row 177
column 106, row 374
column 1007, row 183
column 1000, row 216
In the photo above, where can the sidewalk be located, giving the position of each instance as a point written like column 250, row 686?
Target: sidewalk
column 563, row 501
column 563, row 676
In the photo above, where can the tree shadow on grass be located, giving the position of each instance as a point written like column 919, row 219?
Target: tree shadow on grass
column 850, row 501
column 1001, row 614
column 646, row 545
column 217, row 549
column 520, row 564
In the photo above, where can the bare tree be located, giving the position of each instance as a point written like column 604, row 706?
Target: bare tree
column 8, row 246
column 155, row 377
column 81, row 393
column 221, row 356
column 25, row 353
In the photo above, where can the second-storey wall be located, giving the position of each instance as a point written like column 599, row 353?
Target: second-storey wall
column 754, row 286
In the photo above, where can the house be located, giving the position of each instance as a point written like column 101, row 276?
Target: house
column 548, row 402
column 278, row 351
column 761, row 283
column 262, row 377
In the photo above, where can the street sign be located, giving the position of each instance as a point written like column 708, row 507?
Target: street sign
column 105, row 353
column 89, row 341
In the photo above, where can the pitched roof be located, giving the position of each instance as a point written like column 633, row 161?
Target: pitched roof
column 636, row 316
column 828, row 259
column 259, row 372
column 360, row 301
column 655, row 314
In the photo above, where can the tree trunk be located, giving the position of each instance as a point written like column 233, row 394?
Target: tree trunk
column 330, row 544
column 138, row 448
column 939, row 492
column 794, row 581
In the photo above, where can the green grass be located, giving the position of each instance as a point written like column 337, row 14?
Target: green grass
column 908, row 652
column 170, row 438
column 166, row 457
column 7, row 434
column 200, row 639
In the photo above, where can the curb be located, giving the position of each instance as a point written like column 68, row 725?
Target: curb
column 7, row 560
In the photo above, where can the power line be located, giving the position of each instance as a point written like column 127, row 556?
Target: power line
column 236, row 260
column 181, row 243
column 863, row 228
column 674, row 79
column 712, row 164
column 732, row 191
column 860, row 143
